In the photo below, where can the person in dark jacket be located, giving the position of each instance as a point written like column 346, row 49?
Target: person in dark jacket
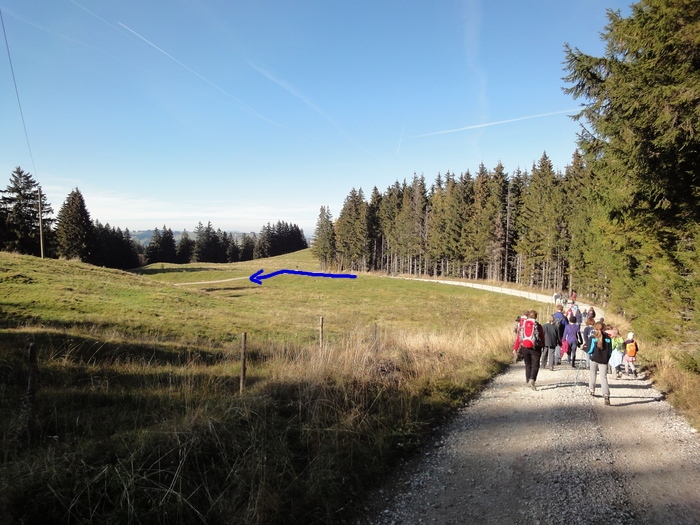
column 600, row 350
column 587, row 333
column 551, row 341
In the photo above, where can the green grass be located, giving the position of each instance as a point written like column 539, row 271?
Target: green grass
column 139, row 411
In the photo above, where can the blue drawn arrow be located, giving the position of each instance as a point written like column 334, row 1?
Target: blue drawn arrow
column 258, row 277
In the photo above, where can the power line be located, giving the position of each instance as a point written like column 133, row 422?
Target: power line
column 19, row 103
column 24, row 126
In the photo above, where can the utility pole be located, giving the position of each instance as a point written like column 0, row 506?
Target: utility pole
column 41, row 227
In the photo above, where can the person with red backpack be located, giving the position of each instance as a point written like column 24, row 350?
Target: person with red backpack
column 517, row 356
column 531, row 340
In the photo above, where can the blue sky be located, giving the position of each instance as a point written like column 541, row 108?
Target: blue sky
column 247, row 112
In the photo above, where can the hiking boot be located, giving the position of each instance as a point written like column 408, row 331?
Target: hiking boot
column 531, row 383
column 606, row 400
column 635, row 374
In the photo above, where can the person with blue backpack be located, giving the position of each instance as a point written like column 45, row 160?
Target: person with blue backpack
column 600, row 350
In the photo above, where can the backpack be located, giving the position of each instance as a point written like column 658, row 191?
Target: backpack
column 632, row 349
column 529, row 334
column 559, row 323
column 602, row 355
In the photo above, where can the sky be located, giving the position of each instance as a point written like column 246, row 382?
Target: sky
column 239, row 113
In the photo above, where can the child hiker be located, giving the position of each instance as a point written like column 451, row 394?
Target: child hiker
column 618, row 344
column 631, row 349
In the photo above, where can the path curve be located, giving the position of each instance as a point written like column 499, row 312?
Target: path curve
column 540, row 298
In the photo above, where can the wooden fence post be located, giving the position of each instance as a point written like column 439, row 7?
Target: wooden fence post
column 243, row 356
column 320, row 333
column 376, row 341
column 32, row 420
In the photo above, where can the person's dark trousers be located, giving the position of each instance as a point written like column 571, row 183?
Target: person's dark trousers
column 531, row 356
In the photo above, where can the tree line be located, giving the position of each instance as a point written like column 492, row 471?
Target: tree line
column 27, row 226
column 621, row 224
column 490, row 225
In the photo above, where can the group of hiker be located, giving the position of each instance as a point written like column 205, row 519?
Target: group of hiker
column 544, row 345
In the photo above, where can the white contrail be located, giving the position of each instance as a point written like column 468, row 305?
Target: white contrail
column 289, row 88
column 252, row 110
column 199, row 76
column 487, row 124
column 398, row 148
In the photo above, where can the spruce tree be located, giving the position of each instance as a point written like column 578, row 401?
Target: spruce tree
column 20, row 205
column 323, row 247
column 352, row 241
column 75, row 233
column 154, row 248
column 641, row 139
column 247, row 247
column 185, row 248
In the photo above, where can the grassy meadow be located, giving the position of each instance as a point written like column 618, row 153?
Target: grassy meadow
column 139, row 418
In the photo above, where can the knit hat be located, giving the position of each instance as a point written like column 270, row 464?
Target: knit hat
column 630, row 335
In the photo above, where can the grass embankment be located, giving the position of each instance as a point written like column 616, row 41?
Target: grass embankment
column 139, row 414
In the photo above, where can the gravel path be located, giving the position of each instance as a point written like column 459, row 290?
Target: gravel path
column 551, row 456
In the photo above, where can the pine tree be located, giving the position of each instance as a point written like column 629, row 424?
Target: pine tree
column 263, row 243
column 436, row 227
column 351, row 237
column 539, row 223
column 323, row 247
column 233, row 251
column 642, row 141
column 185, row 248
column 114, row 248
column 389, row 209
column 374, row 230
column 75, row 233
column 248, row 243
column 20, row 205
column 207, row 245
column 153, row 250
column 496, row 214
column 476, row 236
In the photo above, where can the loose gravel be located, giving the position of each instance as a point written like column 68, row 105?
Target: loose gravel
column 552, row 456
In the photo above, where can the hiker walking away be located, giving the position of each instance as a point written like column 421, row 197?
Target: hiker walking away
column 560, row 322
column 571, row 336
column 587, row 332
column 578, row 314
column 618, row 352
column 551, row 340
column 600, row 350
column 631, row 349
column 517, row 356
column 531, row 342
